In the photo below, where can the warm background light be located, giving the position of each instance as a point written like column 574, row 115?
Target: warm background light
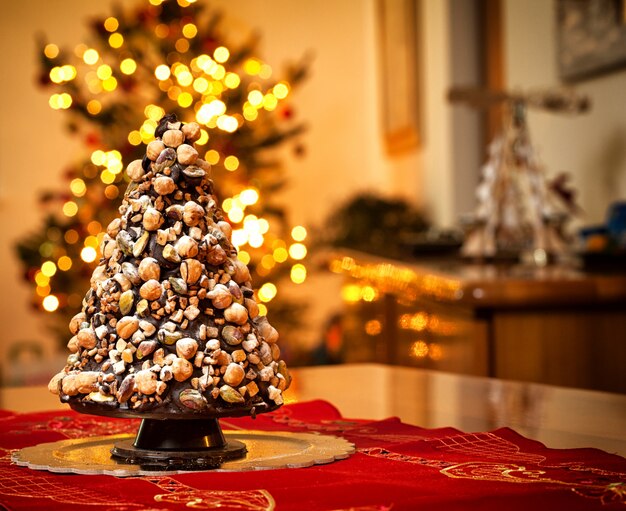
column 88, row 254
column 111, row 24
column 48, row 269
column 50, row 303
column 91, row 56
column 128, row 66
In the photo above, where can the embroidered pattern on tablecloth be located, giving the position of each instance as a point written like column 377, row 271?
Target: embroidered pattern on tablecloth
column 182, row 494
column 81, row 427
column 486, row 446
column 510, row 465
column 285, row 416
column 18, row 482
column 340, row 427
column 367, row 508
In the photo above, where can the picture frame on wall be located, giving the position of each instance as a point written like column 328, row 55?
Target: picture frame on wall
column 398, row 21
column 591, row 37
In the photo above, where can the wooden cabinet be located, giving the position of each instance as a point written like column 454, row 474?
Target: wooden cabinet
column 569, row 346
column 554, row 325
column 417, row 334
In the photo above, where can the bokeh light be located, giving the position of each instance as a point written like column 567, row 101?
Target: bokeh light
column 88, row 254
column 51, row 51
column 298, row 273
column 70, row 208
column 48, row 269
column 298, row 233
column 116, row 40
column 231, row 163
column 267, row 292
column 50, row 303
column 190, row 30
column 64, row 263
column 111, row 24
column 221, row 54
column 128, row 66
column 297, row 251
column 91, row 56
column 162, row 72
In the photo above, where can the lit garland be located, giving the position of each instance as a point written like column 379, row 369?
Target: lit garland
column 369, row 279
column 372, row 278
column 166, row 57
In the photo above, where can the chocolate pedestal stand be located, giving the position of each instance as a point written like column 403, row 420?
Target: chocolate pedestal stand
column 192, row 444
column 175, row 441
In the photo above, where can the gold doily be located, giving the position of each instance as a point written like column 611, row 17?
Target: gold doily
column 266, row 450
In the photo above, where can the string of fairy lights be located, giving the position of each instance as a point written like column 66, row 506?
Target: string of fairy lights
column 196, row 83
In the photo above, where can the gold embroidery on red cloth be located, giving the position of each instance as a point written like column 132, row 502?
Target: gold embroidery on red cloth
column 341, row 426
column 502, row 472
column 179, row 493
column 82, row 427
column 487, row 446
column 609, row 494
column 589, row 482
column 379, row 452
column 284, row 416
column 367, row 508
column 20, row 482
column 590, row 487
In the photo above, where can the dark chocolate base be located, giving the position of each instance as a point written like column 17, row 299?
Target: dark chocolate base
column 170, row 412
column 196, row 444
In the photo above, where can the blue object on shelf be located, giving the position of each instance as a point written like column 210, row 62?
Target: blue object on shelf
column 616, row 223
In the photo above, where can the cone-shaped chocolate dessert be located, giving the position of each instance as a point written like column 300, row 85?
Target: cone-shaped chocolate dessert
column 170, row 328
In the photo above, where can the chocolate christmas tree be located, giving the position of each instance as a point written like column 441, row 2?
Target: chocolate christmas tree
column 170, row 328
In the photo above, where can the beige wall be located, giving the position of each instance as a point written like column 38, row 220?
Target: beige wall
column 436, row 147
column 34, row 146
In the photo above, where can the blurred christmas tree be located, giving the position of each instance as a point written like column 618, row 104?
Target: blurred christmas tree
column 166, row 57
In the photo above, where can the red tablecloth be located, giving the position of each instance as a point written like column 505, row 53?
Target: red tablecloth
column 396, row 466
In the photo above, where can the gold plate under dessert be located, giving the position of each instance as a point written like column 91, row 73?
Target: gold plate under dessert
column 266, row 450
